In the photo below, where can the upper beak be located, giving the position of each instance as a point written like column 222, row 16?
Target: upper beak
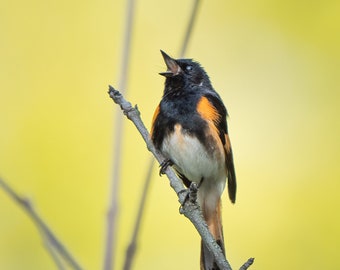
column 173, row 67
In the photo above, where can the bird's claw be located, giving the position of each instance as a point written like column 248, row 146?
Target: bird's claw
column 164, row 165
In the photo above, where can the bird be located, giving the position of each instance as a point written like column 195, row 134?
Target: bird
column 189, row 127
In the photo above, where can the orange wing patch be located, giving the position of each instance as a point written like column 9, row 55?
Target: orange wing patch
column 155, row 114
column 208, row 112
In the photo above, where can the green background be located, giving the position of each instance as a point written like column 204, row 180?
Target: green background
column 276, row 65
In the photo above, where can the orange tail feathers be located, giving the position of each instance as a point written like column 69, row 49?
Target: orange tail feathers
column 214, row 221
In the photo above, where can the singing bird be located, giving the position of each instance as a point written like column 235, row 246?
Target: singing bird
column 189, row 128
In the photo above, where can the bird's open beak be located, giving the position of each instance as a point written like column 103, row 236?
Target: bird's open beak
column 173, row 67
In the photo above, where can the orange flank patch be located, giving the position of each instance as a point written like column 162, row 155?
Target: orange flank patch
column 155, row 114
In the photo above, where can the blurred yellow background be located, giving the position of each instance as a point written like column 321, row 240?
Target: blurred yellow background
column 276, row 64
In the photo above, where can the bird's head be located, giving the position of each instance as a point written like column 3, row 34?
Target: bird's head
column 186, row 71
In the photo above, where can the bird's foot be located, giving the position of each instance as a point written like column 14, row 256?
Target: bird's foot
column 190, row 194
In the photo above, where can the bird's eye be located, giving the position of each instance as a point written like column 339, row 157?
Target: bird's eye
column 188, row 68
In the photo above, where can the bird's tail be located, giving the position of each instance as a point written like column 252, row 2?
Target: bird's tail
column 214, row 221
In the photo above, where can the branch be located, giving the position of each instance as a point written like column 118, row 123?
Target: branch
column 46, row 232
column 189, row 208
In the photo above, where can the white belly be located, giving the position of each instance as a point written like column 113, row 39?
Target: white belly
column 191, row 159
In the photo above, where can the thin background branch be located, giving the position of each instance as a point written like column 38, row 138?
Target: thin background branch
column 131, row 250
column 112, row 221
column 191, row 23
column 54, row 255
column 48, row 236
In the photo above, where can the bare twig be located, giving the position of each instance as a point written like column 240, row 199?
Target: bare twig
column 247, row 264
column 111, row 229
column 133, row 243
column 190, row 27
column 189, row 209
column 47, row 233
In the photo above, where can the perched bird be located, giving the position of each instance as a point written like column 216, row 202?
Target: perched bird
column 189, row 128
